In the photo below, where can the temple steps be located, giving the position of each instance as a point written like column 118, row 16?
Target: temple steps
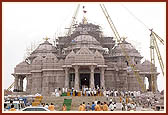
column 77, row 100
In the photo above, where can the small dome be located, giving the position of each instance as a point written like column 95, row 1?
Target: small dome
column 70, row 57
column 45, row 47
column 146, row 66
column 146, row 62
column 130, row 50
column 22, row 67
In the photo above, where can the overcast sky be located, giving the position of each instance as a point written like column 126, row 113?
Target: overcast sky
column 26, row 23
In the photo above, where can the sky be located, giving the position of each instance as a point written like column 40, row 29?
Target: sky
column 25, row 23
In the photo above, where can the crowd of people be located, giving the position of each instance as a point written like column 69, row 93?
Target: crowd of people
column 115, row 99
column 98, row 92
column 103, row 106
column 94, row 107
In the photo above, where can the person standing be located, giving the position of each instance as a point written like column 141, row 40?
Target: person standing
column 12, row 108
column 94, row 92
column 148, row 101
column 120, row 99
column 127, row 99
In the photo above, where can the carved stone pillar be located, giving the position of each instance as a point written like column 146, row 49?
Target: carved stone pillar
column 150, row 83
column 66, row 78
column 21, row 83
column 155, row 83
column 16, row 84
column 27, row 85
column 102, row 83
column 76, row 77
column 92, row 85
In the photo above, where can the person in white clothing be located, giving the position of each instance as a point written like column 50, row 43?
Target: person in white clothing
column 46, row 106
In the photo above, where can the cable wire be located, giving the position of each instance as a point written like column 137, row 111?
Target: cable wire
column 135, row 17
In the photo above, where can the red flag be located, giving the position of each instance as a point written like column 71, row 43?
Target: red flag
column 84, row 11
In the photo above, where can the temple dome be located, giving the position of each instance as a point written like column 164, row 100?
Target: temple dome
column 146, row 62
column 70, row 57
column 22, row 67
column 129, row 49
column 43, row 48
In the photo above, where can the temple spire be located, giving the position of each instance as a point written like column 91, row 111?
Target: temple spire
column 46, row 38
column 84, row 20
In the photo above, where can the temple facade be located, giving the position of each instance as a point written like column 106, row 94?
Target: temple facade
column 86, row 58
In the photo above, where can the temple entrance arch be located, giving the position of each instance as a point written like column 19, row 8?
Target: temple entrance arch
column 84, row 80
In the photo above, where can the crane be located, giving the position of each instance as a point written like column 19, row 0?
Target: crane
column 118, row 38
column 73, row 20
column 154, row 46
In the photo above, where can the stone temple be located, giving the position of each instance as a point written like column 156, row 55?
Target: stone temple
column 84, row 59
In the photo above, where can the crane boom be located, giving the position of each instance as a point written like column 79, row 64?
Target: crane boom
column 159, row 38
column 152, row 55
column 123, row 50
column 73, row 19
column 110, row 22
